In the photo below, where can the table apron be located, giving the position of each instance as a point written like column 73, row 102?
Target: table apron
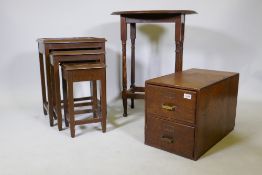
column 151, row 20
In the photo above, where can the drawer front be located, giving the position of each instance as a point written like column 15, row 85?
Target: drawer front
column 169, row 136
column 171, row 103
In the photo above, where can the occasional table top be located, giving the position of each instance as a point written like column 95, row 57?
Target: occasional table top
column 154, row 12
column 70, row 40
column 193, row 79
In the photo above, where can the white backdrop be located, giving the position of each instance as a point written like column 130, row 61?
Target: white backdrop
column 224, row 35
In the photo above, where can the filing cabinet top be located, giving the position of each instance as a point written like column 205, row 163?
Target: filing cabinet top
column 191, row 79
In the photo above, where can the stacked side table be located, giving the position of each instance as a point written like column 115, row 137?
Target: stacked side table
column 48, row 45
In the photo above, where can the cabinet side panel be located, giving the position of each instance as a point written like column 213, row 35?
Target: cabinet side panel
column 215, row 114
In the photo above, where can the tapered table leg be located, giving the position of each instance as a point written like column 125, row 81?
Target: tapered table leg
column 57, row 96
column 49, row 89
column 42, row 75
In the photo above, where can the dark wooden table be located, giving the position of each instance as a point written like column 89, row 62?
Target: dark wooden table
column 152, row 16
column 45, row 47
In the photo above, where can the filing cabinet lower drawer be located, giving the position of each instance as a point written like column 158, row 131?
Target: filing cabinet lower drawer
column 169, row 136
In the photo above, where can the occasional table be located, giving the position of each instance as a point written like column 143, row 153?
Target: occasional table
column 45, row 47
column 152, row 16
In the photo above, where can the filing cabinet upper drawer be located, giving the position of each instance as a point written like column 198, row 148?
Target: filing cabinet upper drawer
column 171, row 103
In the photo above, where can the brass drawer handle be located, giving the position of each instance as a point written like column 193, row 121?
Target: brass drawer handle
column 169, row 107
column 167, row 139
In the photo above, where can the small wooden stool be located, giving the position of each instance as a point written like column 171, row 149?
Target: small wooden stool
column 83, row 72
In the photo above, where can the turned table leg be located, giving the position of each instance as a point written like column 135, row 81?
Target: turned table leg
column 124, row 76
column 179, row 38
column 133, row 38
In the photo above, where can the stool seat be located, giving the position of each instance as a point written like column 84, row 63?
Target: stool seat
column 82, row 66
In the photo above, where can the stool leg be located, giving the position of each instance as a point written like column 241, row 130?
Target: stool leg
column 103, row 103
column 57, row 96
column 65, row 101
column 94, row 97
column 71, row 106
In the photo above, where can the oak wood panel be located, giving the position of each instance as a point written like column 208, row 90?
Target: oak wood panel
column 216, row 113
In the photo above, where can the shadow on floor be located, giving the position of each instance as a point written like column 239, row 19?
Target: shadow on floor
column 115, row 117
column 230, row 140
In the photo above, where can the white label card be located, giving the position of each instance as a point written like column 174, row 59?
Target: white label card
column 187, row 96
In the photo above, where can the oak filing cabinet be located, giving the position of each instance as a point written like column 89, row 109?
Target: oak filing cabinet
column 190, row 111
